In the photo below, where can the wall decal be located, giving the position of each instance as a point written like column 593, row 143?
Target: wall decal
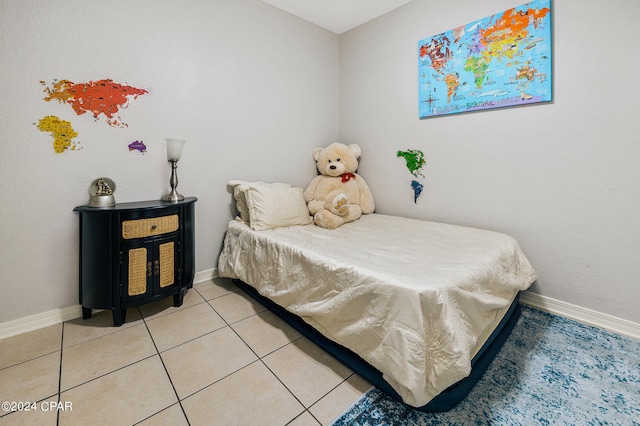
column 100, row 98
column 138, row 145
column 499, row 61
column 417, row 190
column 415, row 162
column 62, row 133
column 414, row 159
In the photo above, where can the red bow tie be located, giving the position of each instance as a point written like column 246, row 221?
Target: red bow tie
column 347, row 176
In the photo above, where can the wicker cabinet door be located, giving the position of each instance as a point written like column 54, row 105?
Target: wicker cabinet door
column 138, row 271
column 167, row 260
column 150, row 269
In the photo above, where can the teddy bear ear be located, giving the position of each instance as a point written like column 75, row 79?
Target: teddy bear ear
column 316, row 153
column 355, row 149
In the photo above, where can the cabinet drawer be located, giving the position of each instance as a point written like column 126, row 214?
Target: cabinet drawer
column 141, row 228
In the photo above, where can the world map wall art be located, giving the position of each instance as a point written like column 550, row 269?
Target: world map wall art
column 103, row 98
column 499, row 61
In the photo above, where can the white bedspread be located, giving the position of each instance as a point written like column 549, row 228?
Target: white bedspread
column 415, row 299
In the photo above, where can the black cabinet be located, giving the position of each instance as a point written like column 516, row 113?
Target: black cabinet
column 135, row 253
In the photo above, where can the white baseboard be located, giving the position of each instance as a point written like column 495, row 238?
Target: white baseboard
column 206, row 275
column 577, row 313
column 583, row 315
column 37, row 321
column 57, row 316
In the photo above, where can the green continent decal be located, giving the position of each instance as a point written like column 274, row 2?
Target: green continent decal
column 415, row 161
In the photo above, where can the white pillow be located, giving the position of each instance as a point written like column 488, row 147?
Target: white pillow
column 238, row 193
column 270, row 205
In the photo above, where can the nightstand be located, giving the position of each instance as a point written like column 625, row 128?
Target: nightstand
column 135, row 253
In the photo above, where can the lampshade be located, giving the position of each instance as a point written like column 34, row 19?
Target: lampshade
column 174, row 149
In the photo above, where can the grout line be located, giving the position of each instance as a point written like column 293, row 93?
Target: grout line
column 175, row 391
column 60, row 372
column 221, row 378
column 26, row 360
column 298, row 416
column 286, row 387
column 261, row 359
column 159, row 354
column 109, row 372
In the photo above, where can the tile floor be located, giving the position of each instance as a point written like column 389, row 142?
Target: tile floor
column 219, row 359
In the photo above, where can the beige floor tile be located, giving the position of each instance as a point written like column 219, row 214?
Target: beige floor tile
column 100, row 324
column 202, row 361
column 173, row 416
column 181, row 326
column 123, row 397
column 338, row 400
column 252, row 396
column 38, row 417
column 306, row 370
column 215, row 288
column 265, row 332
column 33, row 380
column 304, row 419
column 236, row 306
column 26, row 346
column 93, row 358
column 165, row 306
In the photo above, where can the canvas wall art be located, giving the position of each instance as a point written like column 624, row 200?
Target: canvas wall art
column 499, row 61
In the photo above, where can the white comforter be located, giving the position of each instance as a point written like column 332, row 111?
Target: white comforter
column 415, row 299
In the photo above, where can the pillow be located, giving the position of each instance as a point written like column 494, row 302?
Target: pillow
column 270, row 205
column 241, row 203
column 239, row 190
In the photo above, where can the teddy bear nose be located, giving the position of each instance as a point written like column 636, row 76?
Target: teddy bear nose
column 332, row 167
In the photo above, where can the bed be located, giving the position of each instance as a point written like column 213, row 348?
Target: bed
column 418, row 308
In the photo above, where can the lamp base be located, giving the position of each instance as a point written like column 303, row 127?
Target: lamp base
column 173, row 196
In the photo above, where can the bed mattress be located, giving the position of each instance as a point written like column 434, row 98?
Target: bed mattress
column 415, row 299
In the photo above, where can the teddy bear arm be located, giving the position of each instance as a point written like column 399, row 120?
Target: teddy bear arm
column 315, row 206
column 367, row 203
column 310, row 192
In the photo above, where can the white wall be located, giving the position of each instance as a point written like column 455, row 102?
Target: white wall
column 251, row 88
column 562, row 177
column 254, row 90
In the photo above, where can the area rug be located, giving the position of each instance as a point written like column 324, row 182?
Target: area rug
column 550, row 371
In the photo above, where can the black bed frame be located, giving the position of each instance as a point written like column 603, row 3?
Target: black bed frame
column 447, row 399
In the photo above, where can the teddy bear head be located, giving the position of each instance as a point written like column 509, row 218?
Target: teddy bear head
column 337, row 159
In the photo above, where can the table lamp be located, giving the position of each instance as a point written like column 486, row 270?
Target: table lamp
column 174, row 151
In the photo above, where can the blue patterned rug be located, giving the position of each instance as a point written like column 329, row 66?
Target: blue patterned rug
column 550, row 371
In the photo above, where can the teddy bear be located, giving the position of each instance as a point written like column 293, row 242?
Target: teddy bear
column 338, row 195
